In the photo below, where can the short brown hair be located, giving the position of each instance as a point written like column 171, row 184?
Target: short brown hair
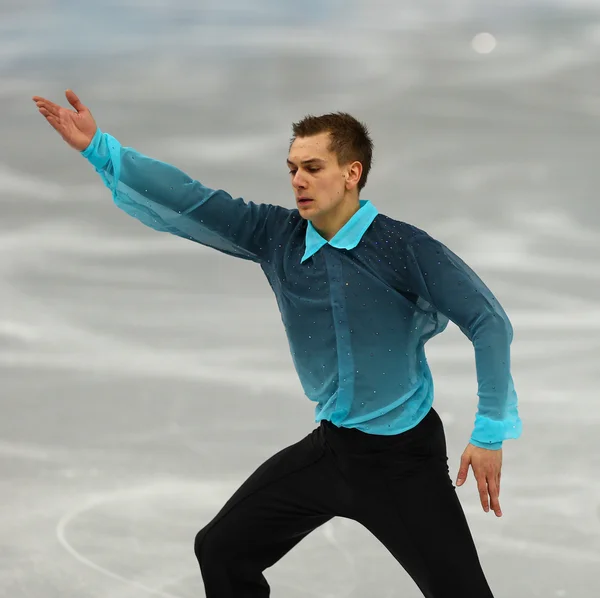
column 350, row 139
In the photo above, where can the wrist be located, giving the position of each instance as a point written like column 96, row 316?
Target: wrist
column 492, row 446
column 97, row 152
column 93, row 143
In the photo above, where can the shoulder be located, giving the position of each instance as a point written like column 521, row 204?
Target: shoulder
column 400, row 230
column 282, row 223
column 288, row 221
column 277, row 215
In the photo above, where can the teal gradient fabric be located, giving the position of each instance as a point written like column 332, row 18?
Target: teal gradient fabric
column 358, row 309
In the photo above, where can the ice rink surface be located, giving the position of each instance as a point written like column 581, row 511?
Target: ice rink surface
column 144, row 377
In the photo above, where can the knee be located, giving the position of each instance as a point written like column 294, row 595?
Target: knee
column 213, row 546
column 200, row 545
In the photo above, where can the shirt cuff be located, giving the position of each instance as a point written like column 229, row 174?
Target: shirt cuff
column 492, row 446
column 93, row 152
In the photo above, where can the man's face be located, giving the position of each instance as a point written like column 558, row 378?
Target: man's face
column 318, row 180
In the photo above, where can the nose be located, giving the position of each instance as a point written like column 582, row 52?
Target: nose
column 297, row 181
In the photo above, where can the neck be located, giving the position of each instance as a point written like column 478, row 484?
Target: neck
column 329, row 224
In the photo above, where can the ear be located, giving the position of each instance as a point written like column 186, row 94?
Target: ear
column 353, row 175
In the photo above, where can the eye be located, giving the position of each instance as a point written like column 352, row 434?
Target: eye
column 311, row 169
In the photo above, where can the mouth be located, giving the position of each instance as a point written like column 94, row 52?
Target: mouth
column 303, row 201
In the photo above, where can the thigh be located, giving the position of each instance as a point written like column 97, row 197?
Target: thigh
column 419, row 519
column 286, row 498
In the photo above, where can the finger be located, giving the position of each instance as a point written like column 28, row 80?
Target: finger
column 483, row 493
column 51, row 118
column 463, row 470
column 54, row 123
column 49, row 106
column 74, row 100
column 494, row 498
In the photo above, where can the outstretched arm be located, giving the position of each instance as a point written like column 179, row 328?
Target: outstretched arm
column 163, row 197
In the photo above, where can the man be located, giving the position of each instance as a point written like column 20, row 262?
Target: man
column 359, row 295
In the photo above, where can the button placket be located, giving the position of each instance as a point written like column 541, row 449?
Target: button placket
column 342, row 333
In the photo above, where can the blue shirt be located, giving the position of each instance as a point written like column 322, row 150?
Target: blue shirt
column 357, row 309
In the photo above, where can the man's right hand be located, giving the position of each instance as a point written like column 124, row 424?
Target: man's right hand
column 77, row 127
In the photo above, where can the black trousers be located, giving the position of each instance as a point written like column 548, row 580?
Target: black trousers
column 398, row 487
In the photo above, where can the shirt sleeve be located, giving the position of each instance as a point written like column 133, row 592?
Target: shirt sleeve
column 166, row 199
column 447, row 285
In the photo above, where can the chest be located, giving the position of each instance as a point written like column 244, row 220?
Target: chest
column 369, row 275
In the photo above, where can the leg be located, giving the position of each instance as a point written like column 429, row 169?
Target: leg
column 284, row 500
column 423, row 526
column 419, row 518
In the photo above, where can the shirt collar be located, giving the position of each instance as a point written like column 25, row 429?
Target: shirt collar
column 348, row 237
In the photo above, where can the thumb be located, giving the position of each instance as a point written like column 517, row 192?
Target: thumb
column 463, row 470
column 74, row 100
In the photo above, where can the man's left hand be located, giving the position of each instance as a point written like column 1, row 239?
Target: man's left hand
column 486, row 465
